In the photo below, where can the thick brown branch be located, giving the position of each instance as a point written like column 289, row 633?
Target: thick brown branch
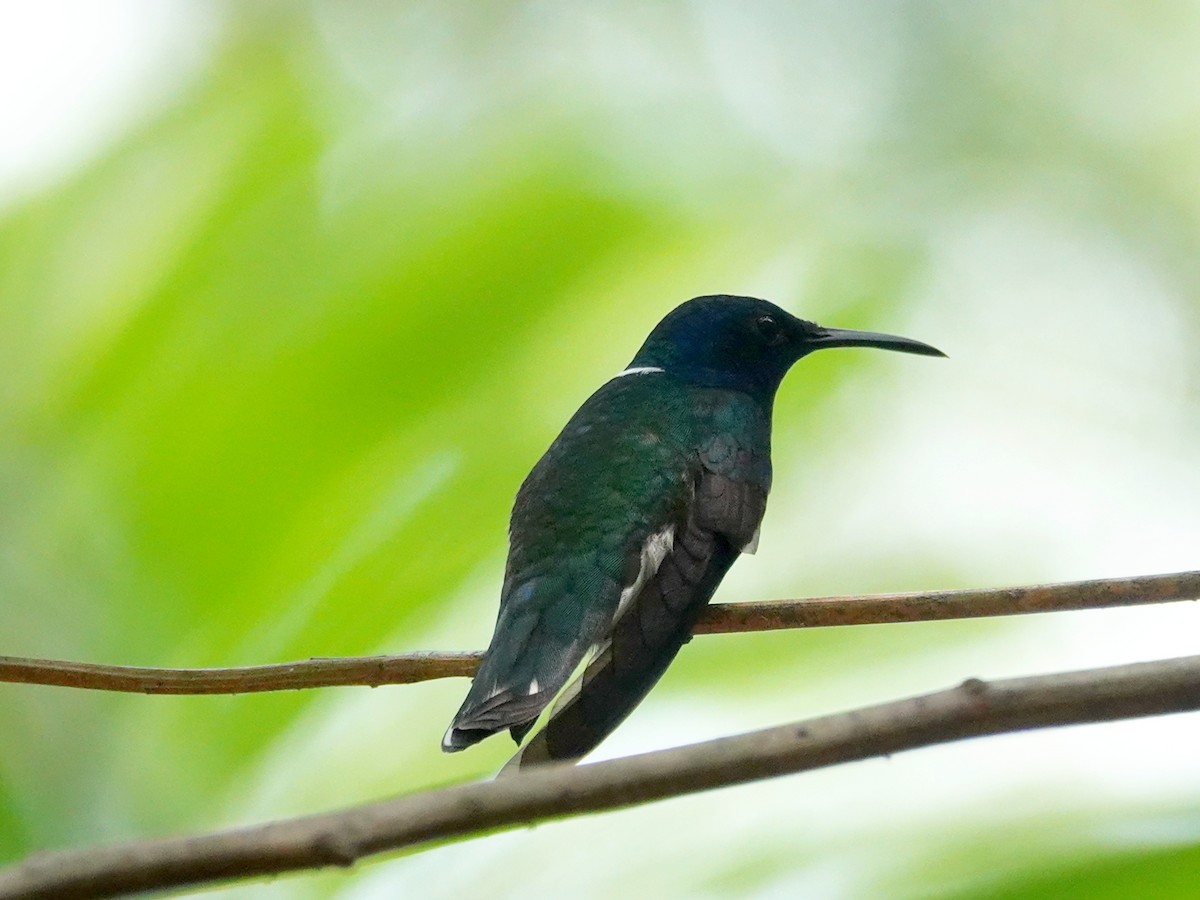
column 718, row 619
column 341, row 838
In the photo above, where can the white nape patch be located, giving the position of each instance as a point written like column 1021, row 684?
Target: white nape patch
column 654, row 551
column 533, row 687
column 752, row 545
column 638, row 370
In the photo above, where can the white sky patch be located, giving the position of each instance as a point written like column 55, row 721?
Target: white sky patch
column 74, row 75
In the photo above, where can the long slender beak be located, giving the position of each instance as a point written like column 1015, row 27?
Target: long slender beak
column 842, row 337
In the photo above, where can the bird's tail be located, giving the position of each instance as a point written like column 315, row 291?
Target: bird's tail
column 532, row 655
column 645, row 639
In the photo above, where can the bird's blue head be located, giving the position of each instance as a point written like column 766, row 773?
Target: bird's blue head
column 746, row 344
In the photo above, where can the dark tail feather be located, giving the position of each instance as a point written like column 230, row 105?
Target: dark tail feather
column 504, row 710
column 524, row 668
column 645, row 639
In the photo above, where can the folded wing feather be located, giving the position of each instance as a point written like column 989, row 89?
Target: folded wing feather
column 655, row 619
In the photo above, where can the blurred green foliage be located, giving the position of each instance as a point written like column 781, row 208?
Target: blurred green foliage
column 273, row 364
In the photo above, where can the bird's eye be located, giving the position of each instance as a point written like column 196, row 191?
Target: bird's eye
column 770, row 330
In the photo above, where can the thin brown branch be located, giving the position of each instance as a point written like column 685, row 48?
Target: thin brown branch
column 310, row 673
column 881, row 609
column 723, row 618
column 341, row 838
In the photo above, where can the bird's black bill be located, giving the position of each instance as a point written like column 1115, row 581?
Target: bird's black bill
column 842, row 337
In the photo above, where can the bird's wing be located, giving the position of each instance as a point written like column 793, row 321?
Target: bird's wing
column 721, row 521
column 581, row 538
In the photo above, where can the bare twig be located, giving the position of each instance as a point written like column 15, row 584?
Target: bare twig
column 879, row 609
column 310, row 673
column 718, row 619
column 341, row 838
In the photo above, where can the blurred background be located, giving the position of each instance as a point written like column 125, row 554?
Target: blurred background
column 293, row 295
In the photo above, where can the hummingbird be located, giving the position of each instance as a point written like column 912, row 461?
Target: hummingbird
column 621, row 533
